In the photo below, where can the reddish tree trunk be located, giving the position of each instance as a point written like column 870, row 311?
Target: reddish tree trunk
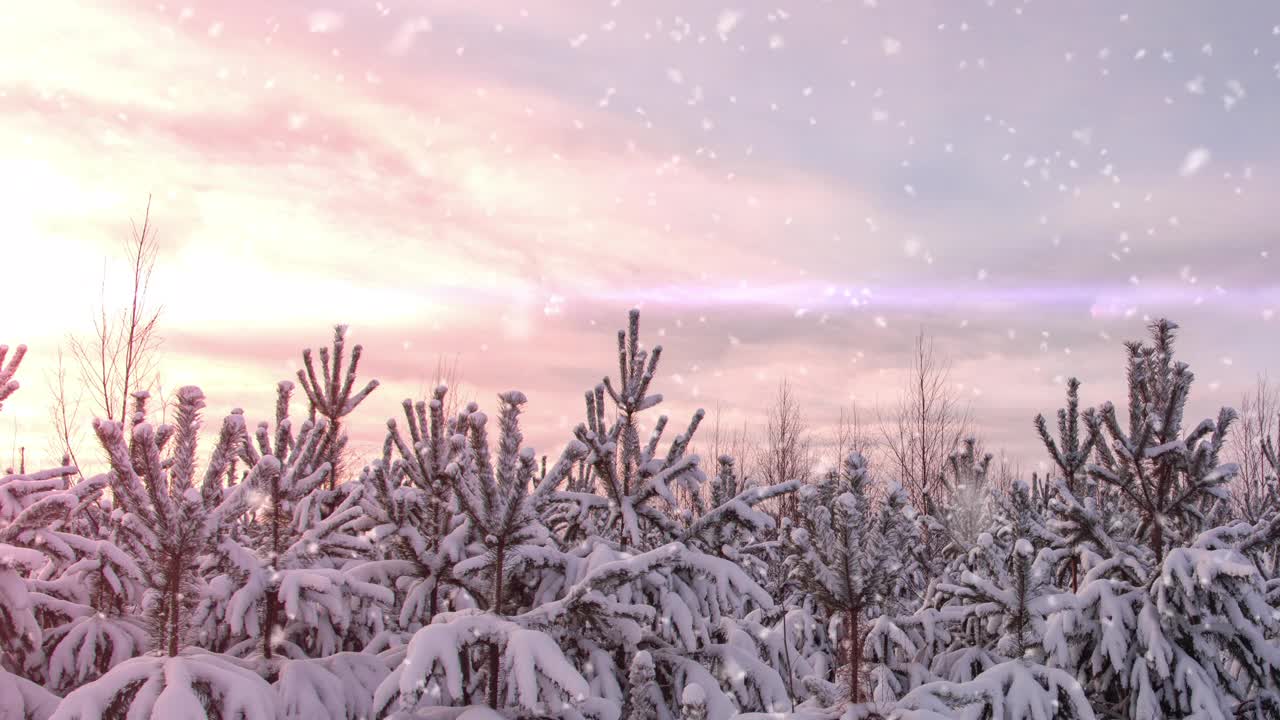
column 271, row 613
column 330, row 444
column 174, row 592
column 497, row 610
column 273, row 610
column 855, row 655
column 493, row 675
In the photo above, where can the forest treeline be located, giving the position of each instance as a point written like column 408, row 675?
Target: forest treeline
column 457, row 573
column 651, row 571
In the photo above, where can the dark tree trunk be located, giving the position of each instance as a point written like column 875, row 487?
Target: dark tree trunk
column 855, row 655
column 497, row 610
column 1157, row 540
column 466, row 675
column 493, row 675
column 273, row 604
column 272, row 612
column 174, row 591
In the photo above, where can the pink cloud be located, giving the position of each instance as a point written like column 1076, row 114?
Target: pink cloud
column 302, row 178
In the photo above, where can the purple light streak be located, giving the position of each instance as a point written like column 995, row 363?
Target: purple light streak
column 1098, row 301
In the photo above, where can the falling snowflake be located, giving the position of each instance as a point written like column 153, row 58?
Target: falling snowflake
column 407, row 34
column 726, row 22
column 1194, row 162
column 324, row 21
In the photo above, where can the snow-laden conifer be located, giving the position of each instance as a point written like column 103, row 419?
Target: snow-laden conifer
column 834, row 554
column 1170, row 478
column 332, row 395
column 1171, row 617
column 36, row 544
column 409, row 516
column 278, row 580
column 167, row 524
column 634, row 488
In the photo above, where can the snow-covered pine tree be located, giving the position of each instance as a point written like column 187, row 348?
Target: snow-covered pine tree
column 496, row 499
column 35, row 510
column 1208, row 634
column 637, row 486
column 899, row 638
column 193, row 684
column 282, row 584
column 1258, row 543
column 1267, row 545
column 1070, row 452
column 777, row 640
column 166, row 523
column 894, row 639
column 723, row 535
column 27, row 505
column 409, row 515
column 1170, row 479
column 988, row 604
column 714, row 622
column 331, row 397
column 1175, row 624
column 1090, row 634
column 834, row 554
column 965, row 645
column 580, row 582
column 733, row 526
column 899, row 531
column 88, row 610
column 157, row 503
column 500, row 506
column 1070, row 455
column 628, row 500
column 1002, row 592
column 209, row 628
column 967, row 511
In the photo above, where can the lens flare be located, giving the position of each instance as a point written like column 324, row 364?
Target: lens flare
column 1098, row 301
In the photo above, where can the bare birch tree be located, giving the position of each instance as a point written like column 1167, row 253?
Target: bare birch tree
column 446, row 373
column 723, row 442
column 1259, row 416
column 120, row 357
column 62, row 415
column 925, row 425
column 787, row 447
column 849, row 435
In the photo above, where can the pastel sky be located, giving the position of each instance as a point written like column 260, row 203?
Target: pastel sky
column 788, row 190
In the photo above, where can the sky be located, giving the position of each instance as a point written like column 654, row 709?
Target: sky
column 787, row 190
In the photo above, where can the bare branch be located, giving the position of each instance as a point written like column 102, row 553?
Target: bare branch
column 926, row 425
column 121, row 355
